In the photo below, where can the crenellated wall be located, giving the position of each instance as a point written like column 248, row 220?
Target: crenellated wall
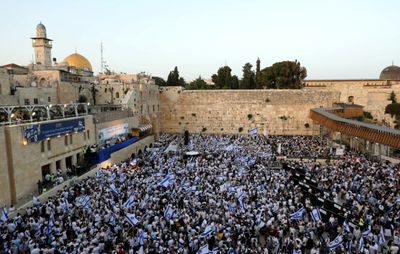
column 276, row 112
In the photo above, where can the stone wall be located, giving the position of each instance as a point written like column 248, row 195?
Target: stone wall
column 276, row 112
column 25, row 160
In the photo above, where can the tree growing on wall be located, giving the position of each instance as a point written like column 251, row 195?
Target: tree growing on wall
column 392, row 97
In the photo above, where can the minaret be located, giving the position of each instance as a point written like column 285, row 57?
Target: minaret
column 42, row 46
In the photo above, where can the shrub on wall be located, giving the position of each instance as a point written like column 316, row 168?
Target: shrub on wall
column 204, row 129
column 393, row 109
column 283, row 118
column 194, row 114
column 249, row 116
column 240, row 129
column 367, row 115
column 307, row 125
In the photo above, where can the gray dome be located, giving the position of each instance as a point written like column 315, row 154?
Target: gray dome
column 391, row 72
column 40, row 26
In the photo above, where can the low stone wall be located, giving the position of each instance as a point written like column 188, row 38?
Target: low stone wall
column 126, row 152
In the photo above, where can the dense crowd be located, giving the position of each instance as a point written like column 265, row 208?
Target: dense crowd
column 231, row 198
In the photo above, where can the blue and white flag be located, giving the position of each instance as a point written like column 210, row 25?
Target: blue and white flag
column 381, row 237
column 367, row 232
column 112, row 220
column 4, row 215
column 129, row 202
column 114, row 189
column 142, row 237
column 316, row 215
column 65, row 205
column 35, row 201
column 297, row 215
column 361, row 244
column 336, row 243
column 50, row 227
column 296, row 251
column 168, row 180
column 208, row 231
column 83, row 201
column 346, row 226
column 253, row 132
column 232, row 208
column 122, row 177
column 131, row 218
column 99, row 174
column 191, row 189
column 143, row 203
column 168, row 213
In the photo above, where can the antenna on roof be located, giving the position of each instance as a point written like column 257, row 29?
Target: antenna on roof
column 76, row 50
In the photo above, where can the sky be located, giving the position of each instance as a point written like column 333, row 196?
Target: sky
column 340, row 39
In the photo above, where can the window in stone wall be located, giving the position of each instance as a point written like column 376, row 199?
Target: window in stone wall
column 66, row 140
column 154, row 106
column 70, row 139
column 35, row 101
column 117, row 95
column 42, row 146
column 49, row 99
column 27, row 102
column 49, row 145
column 84, row 135
column 88, row 134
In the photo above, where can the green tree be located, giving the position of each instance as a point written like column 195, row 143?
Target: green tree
column 248, row 79
column 235, row 82
column 159, row 81
column 197, row 84
column 392, row 97
column 258, row 73
column 174, row 79
column 283, row 75
column 223, row 78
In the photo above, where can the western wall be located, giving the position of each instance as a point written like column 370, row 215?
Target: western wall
column 276, row 112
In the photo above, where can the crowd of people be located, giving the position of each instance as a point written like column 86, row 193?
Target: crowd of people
column 231, row 198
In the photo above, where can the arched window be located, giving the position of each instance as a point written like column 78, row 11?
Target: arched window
column 117, row 95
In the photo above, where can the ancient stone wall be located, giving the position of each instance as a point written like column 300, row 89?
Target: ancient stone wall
column 276, row 112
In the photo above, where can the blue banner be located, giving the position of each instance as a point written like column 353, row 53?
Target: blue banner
column 37, row 132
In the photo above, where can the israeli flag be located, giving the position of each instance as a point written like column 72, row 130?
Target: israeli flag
column 297, row 215
column 361, row 244
column 143, row 203
column 112, row 220
column 167, row 180
column 253, row 132
column 114, row 189
column 367, row 232
column 191, row 189
column 336, row 243
column 232, row 208
column 381, row 237
column 203, row 249
column 84, row 201
column 129, row 202
column 66, row 205
column 208, row 231
column 316, row 215
column 346, row 226
column 296, row 251
column 50, row 227
column 168, row 213
column 35, row 201
column 122, row 177
column 4, row 215
column 99, row 174
column 142, row 237
column 131, row 218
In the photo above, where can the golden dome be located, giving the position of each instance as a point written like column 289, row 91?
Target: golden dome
column 78, row 61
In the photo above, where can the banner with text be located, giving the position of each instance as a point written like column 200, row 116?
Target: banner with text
column 37, row 132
